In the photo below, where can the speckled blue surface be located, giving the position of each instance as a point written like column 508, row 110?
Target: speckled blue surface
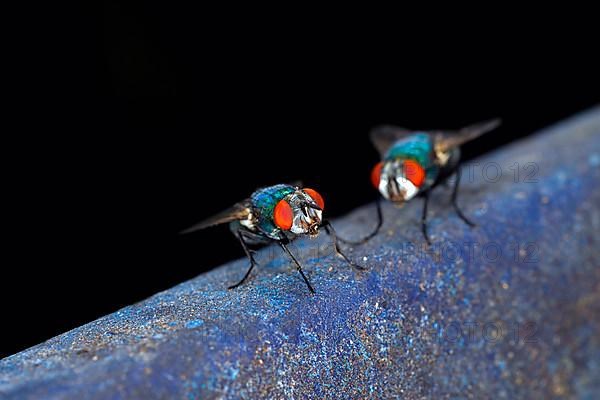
column 510, row 309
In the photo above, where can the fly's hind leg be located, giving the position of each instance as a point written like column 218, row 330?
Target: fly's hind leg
column 242, row 236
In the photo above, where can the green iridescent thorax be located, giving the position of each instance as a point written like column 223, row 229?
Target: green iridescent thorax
column 263, row 203
column 418, row 147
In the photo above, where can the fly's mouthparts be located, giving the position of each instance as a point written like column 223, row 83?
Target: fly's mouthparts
column 313, row 230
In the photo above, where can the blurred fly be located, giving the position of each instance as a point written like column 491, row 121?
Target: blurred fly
column 279, row 214
column 415, row 162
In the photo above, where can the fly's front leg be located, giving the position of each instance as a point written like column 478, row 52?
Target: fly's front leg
column 455, row 204
column 283, row 243
column 331, row 232
column 370, row 235
column 424, row 218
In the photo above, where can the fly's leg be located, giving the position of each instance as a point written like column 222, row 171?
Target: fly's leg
column 283, row 243
column 372, row 234
column 424, row 218
column 455, row 204
column 249, row 254
column 331, row 232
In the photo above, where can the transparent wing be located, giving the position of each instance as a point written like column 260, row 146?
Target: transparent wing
column 446, row 140
column 384, row 136
column 237, row 212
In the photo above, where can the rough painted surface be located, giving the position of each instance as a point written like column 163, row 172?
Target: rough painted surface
column 510, row 309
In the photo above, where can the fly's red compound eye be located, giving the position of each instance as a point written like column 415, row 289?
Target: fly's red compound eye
column 414, row 172
column 316, row 197
column 376, row 174
column 283, row 216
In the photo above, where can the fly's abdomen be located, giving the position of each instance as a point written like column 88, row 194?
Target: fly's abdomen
column 263, row 204
column 417, row 147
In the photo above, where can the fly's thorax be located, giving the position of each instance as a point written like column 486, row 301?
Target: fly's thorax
column 395, row 183
column 263, row 203
column 285, row 209
column 307, row 216
column 418, row 147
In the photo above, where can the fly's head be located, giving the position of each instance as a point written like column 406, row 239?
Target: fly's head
column 300, row 212
column 398, row 180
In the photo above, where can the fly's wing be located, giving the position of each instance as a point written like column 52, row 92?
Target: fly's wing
column 384, row 136
column 447, row 140
column 237, row 212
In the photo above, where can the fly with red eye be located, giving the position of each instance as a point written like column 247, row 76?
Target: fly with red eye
column 278, row 214
column 415, row 162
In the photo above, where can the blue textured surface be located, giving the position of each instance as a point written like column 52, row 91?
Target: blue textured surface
column 510, row 309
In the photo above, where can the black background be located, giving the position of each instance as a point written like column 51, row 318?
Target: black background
column 160, row 115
